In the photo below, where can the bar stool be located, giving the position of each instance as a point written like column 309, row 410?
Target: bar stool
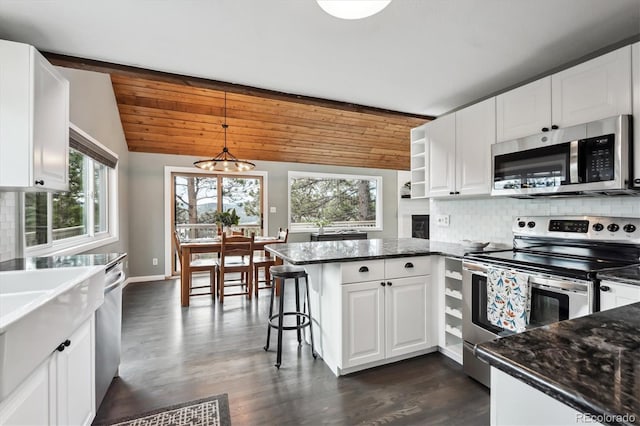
column 303, row 319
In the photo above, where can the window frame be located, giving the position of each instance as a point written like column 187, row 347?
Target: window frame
column 90, row 240
column 379, row 200
column 168, row 215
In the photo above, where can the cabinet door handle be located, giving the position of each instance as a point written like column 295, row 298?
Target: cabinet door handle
column 554, row 127
column 39, row 182
column 408, row 265
column 61, row 347
column 605, row 288
column 451, row 193
column 67, row 342
column 363, row 269
column 457, row 192
column 545, row 129
column 389, row 283
column 382, row 284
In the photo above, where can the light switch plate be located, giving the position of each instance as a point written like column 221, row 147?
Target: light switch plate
column 272, row 209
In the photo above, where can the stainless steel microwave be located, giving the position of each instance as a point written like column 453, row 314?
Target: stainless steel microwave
column 584, row 159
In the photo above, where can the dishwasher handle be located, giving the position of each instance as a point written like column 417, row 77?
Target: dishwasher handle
column 117, row 283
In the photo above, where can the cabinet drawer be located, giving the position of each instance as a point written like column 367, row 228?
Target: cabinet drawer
column 366, row 270
column 407, row 267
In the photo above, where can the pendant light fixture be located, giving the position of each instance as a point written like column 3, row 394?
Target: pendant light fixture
column 225, row 161
column 353, row 9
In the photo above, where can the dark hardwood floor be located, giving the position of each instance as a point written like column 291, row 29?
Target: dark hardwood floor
column 172, row 355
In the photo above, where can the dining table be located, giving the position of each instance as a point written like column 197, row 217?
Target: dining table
column 188, row 247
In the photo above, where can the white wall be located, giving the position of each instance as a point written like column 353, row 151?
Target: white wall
column 491, row 219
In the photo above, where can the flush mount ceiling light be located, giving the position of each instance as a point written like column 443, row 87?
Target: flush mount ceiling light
column 352, row 9
column 225, row 161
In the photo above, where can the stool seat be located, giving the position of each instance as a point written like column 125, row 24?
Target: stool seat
column 287, row 271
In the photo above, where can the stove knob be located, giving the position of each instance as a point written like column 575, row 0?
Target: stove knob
column 531, row 224
column 521, row 224
column 629, row 228
column 598, row 227
column 613, row 227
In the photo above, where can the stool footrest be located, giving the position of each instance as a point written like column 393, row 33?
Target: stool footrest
column 306, row 321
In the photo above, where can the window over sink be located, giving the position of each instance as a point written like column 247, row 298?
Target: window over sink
column 335, row 202
column 66, row 222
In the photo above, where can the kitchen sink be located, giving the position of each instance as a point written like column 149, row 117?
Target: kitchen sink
column 40, row 309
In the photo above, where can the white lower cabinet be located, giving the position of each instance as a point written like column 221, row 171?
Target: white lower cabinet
column 372, row 312
column 363, row 323
column 614, row 295
column 61, row 390
column 515, row 403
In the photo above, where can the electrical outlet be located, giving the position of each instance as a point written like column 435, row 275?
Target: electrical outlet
column 154, row 261
column 272, row 209
column 442, row 220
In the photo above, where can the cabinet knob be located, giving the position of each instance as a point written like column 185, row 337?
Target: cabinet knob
column 605, row 288
column 408, row 265
column 61, row 347
column 39, row 182
column 363, row 269
column 389, row 283
column 457, row 192
column 451, row 193
column 545, row 129
column 382, row 284
column 554, row 127
column 67, row 342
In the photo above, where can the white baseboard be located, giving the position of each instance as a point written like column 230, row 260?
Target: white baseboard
column 144, row 279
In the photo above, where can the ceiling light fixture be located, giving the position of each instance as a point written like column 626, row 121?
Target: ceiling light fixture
column 352, row 9
column 225, row 161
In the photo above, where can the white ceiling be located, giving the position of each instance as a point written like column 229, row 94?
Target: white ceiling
column 416, row 56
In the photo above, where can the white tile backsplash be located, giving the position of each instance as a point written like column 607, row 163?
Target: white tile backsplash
column 491, row 219
column 8, row 225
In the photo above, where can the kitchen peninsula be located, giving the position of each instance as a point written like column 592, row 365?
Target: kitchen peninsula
column 373, row 301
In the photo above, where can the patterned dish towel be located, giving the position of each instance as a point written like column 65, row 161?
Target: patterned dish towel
column 508, row 299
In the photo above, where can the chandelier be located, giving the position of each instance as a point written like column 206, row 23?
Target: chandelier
column 225, row 161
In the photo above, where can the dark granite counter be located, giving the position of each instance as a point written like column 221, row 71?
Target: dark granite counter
column 353, row 250
column 591, row 363
column 627, row 275
column 31, row 263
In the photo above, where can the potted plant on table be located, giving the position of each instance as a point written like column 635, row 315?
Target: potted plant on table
column 226, row 220
column 321, row 223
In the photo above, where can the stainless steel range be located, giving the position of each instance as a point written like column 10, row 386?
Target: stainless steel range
column 559, row 256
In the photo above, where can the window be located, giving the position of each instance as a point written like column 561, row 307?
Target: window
column 335, row 201
column 198, row 196
column 65, row 220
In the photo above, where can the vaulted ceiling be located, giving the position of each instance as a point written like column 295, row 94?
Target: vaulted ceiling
column 170, row 114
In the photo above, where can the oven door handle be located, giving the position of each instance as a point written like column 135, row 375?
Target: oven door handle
column 565, row 287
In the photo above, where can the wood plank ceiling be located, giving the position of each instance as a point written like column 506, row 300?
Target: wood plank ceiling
column 162, row 113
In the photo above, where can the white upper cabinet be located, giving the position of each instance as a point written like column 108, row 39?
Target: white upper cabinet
column 595, row 89
column 459, row 151
column 592, row 90
column 635, row 77
column 524, row 111
column 34, row 121
column 475, row 133
column 441, row 141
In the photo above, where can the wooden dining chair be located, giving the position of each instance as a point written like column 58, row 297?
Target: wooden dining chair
column 197, row 265
column 236, row 256
column 263, row 261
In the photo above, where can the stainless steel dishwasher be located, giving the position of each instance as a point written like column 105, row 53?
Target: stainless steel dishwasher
column 109, row 330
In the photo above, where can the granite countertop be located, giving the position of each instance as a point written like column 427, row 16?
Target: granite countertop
column 627, row 275
column 590, row 363
column 32, row 263
column 352, row 250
